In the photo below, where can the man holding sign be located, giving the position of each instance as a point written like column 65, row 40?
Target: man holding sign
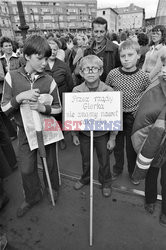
column 91, row 68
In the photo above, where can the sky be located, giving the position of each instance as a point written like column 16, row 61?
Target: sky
column 150, row 6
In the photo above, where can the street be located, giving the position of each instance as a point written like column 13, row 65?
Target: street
column 119, row 222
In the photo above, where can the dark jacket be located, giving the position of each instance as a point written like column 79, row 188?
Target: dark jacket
column 62, row 76
column 111, row 58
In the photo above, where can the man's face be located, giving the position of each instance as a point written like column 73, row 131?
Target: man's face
column 36, row 63
column 7, row 48
column 99, row 32
column 128, row 58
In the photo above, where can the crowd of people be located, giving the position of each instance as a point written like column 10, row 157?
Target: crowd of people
column 133, row 63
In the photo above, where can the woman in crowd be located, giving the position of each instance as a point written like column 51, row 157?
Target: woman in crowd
column 79, row 54
column 60, row 71
column 152, row 64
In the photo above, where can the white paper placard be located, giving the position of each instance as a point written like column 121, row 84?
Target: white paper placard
column 51, row 130
column 97, row 111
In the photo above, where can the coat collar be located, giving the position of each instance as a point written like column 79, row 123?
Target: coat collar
column 13, row 55
column 22, row 71
column 101, row 87
column 157, row 47
column 109, row 45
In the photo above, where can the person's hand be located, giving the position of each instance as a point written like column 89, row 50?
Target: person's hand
column 111, row 144
column 29, row 95
column 76, row 140
column 37, row 106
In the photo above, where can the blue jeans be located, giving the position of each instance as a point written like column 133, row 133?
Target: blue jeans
column 128, row 120
column 100, row 143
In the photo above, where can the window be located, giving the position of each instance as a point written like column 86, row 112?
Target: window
column 15, row 10
column 71, row 10
column 61, row 18
column 59, row 10
column 47, row 17
column 34, row 10
column 46, row 10
column 72, row 17
column 57, row 4
column 44, row 3
column 103, row 12
column 25, row 11
column 16, row 18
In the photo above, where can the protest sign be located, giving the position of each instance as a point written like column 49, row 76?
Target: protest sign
column 92, row 111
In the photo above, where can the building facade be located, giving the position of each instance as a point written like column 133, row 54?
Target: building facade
column 62, row 15
column 5, row 22
column 111, row 16
column 161, row 13
column 131, row 17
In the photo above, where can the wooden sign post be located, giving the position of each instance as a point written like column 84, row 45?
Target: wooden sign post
column 92, row 111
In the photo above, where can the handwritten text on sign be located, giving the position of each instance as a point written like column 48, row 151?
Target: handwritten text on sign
column 97, row 111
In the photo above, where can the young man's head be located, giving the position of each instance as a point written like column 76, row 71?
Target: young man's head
column 91, row 68
column 129, row 54
column 99, row 29
column 36, row 52
column 6, row 45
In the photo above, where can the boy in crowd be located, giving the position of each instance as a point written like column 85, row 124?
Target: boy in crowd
column 132, row 82
column 91, row 68
column 26, row 84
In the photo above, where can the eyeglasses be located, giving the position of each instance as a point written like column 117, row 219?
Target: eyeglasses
column 93, row 70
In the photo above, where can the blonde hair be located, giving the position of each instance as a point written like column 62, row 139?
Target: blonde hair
column 130, row 44
column 91, row 58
